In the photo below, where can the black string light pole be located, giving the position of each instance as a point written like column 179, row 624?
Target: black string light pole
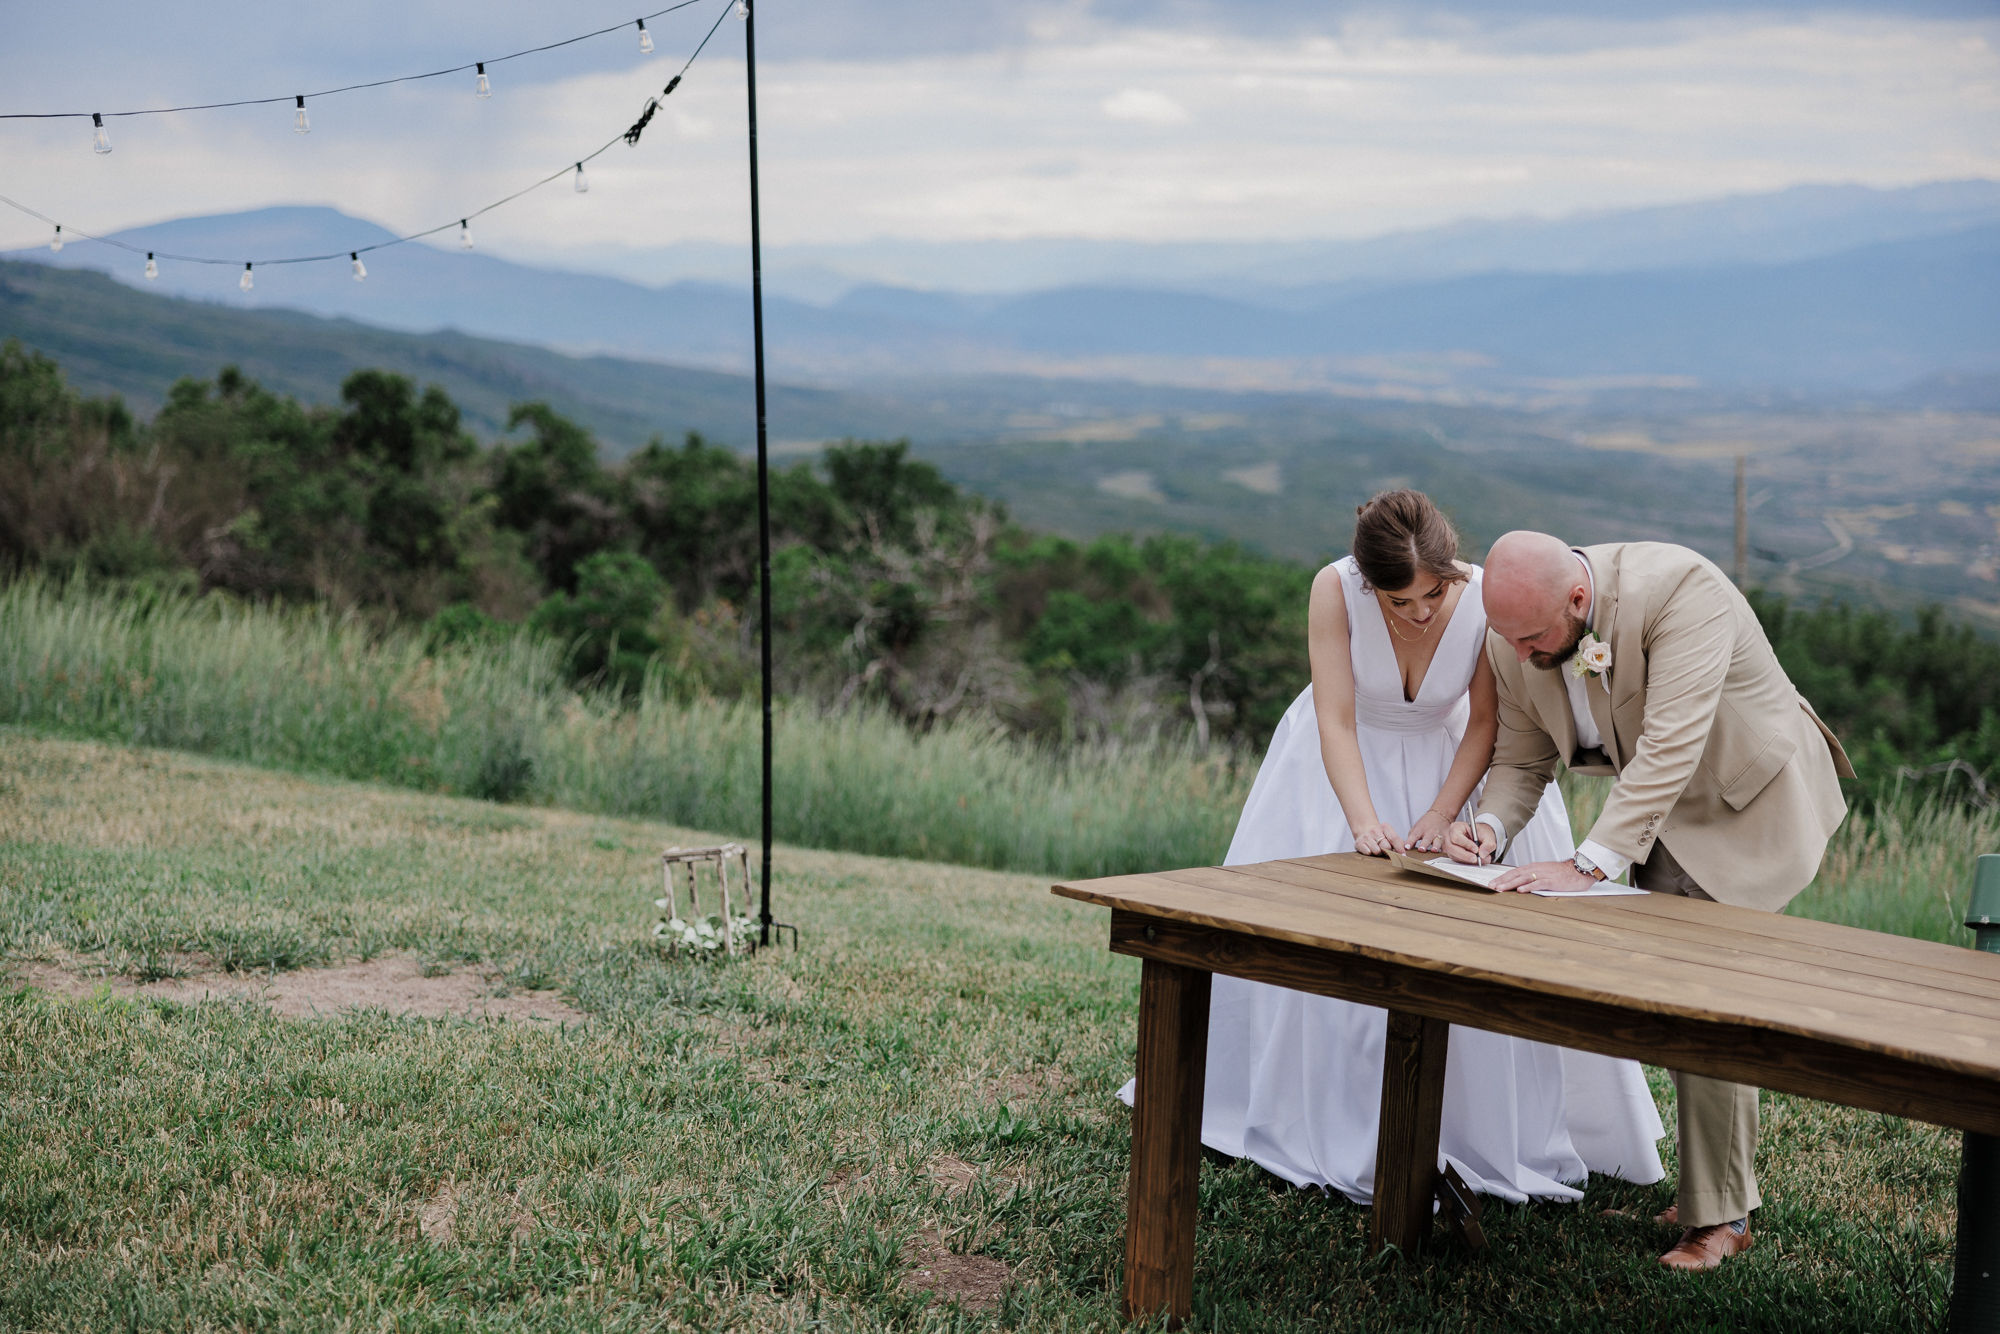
column 749, row 13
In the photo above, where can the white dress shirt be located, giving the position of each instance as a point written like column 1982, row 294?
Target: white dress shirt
column 1587, row 738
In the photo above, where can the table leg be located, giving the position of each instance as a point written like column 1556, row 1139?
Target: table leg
column 1406, row 1145
column 1975, row 1288
column 1166, row 1141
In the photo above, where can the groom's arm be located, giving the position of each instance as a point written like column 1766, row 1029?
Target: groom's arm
column 1524, row 757
column 1689, row 644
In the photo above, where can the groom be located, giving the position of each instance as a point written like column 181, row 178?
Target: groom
column 1642, row 661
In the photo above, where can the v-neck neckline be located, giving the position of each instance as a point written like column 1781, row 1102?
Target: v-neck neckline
column 1402, row 691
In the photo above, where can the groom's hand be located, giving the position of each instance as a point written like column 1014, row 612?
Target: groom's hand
column 1562, row 877
column 1473, row 844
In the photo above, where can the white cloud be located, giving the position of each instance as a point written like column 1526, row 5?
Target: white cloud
column 1350, row 133
column 1144, row 106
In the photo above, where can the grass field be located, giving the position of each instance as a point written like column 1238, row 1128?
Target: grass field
column 310, row 690
column 919, row 1097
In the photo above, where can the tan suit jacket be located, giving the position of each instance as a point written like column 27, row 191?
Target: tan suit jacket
column 1716, row 753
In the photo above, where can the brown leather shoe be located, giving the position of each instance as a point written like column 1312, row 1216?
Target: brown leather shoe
column 1707, row 1247
column 1669, row 1216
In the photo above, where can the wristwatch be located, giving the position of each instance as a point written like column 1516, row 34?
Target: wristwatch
column 1584, row 864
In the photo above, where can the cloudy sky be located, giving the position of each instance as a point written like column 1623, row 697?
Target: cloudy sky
column 972, row 119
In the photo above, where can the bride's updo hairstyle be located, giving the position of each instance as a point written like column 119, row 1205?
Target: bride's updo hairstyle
column 1400, row 538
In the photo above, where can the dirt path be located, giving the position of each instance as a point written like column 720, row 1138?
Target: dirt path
column 392, row 982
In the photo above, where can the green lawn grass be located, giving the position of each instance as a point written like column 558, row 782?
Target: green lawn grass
column 769, row 1144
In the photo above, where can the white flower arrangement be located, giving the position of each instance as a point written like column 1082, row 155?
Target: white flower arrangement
column 1593, row 658
column 704, row 935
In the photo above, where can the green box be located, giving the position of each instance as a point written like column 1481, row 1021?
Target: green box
column 1983, row 914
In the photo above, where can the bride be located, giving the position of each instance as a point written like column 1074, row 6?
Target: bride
column 1384, row 750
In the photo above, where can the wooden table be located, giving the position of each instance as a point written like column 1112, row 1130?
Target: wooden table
column 1906, row 1027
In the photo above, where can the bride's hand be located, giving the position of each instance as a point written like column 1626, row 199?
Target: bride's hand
column 1378, row 839
column 1428, row 833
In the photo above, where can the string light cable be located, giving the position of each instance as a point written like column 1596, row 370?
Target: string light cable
column 629, row 137
column 97, row 118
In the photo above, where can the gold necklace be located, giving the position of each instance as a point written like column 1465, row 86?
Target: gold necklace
column 1408, row 639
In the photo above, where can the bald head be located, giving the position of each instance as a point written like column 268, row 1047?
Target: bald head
column 1537, row 596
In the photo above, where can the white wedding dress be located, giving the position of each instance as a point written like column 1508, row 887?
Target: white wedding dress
column 1295, row 1080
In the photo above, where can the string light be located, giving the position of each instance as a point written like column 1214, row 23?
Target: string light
column 298, row 99
column 246, row 282
column 485, row 88
column 645, row 39
column 743, row 9
column 100, row 139
column 300, row 124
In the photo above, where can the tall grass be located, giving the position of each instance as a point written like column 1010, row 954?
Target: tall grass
column 1902, row 863
column 312, row 690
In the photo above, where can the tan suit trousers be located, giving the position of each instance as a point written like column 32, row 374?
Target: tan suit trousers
column 1718, row 1119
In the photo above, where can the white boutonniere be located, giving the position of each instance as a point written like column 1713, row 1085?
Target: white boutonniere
column 1593, row 658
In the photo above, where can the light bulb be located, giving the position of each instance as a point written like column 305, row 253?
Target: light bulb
column 55, row 242
column 645, row 39
column 152, row 266
column 245, row 282
column 360, row 269
column 100, row 141
column 300, row 124
column 743, row 9
column 485, row 88
column 464, row 235
column 582, row 181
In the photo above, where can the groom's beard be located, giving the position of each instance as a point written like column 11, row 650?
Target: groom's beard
column 1573, row 635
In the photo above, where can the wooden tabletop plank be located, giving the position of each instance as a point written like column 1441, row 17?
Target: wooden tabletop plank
column 1843, row 969
column 1625, row 977
column 1673, row 912
column 1535, row 964
column 1510, row 912
column 1608, row 968
column 1821, row 944
column 1491, row 912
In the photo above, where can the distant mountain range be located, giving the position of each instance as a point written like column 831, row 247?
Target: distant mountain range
column 1823, row 291
column 1777, row 227
column 1867, row 320
column 110, row 339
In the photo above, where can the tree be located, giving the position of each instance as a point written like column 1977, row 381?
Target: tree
column 401, row 448
column 552, row 490
column 607, row 625
column 884, row 491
